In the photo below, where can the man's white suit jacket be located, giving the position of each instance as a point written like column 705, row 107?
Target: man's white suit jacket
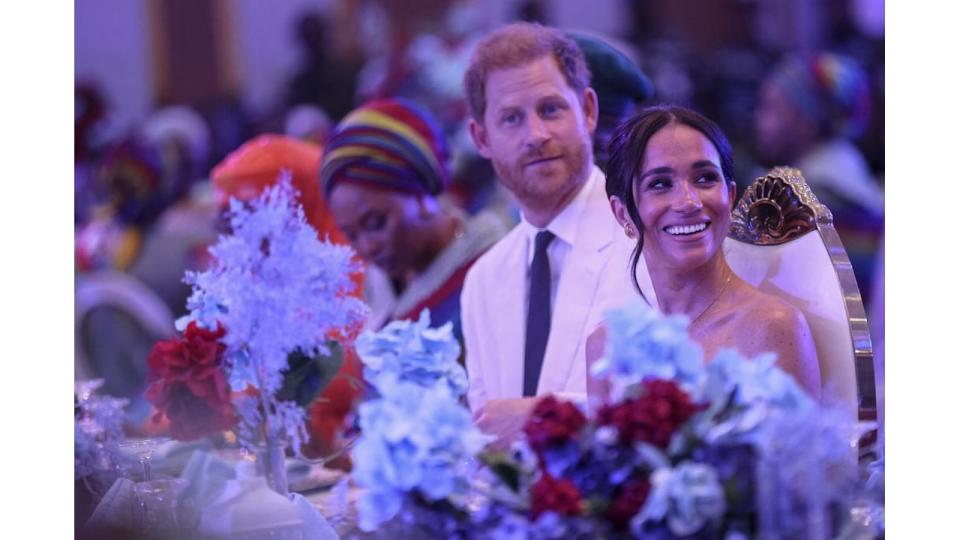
column 595, row 278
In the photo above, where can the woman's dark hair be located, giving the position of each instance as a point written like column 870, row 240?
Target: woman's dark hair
column 626, row 151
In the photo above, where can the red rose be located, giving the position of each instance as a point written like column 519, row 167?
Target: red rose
column 652, row 417
column 188, row 384
column 628, row 503
column 552, row 421
column 557, row 495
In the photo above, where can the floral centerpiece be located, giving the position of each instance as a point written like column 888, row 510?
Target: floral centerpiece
column 417, row 438
column 273, row 290
column 731, row 448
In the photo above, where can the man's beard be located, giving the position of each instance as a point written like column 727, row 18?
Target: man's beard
column 577, row 162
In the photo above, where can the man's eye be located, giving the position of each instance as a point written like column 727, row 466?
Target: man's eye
column 550, row 109
column 510, row 119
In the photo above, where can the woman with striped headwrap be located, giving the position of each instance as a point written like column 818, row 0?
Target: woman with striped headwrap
column 810, row 111
column 383, row 172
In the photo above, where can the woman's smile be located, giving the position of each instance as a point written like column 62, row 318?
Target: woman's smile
column 687, row 231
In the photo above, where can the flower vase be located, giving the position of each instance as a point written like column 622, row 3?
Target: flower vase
column 272, row 463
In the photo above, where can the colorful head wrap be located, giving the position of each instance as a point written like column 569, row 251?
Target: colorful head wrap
column 130, row 194
column 391, row 143
column 256, row 165
column 830, row 89
column 131, row 181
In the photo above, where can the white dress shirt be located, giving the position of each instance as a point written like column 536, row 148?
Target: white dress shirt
column 590, row 274
column 564, row 228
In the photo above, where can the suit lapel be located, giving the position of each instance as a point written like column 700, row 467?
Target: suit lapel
column 577, row 292
column 508, row 318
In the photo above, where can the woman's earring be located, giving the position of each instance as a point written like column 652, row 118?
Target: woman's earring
column 628, row 231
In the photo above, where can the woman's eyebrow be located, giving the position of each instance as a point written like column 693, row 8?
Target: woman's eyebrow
column 703, row 164
column 658, row 170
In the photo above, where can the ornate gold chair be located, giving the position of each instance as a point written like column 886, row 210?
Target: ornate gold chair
column 782, row 241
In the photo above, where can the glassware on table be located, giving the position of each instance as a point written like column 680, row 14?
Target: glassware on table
column 160, row 506
column 85, row 389
column 143, row 449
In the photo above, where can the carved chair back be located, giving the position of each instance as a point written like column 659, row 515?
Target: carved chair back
column 782, row 241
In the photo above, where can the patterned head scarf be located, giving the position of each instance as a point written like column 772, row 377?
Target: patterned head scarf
column 390, row 143
column 832, row 90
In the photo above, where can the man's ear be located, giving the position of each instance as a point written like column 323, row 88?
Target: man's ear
column 622, row 216
column 591, row 109
column 480, row 139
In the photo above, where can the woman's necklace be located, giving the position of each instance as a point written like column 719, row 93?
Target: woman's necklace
column 714, row 301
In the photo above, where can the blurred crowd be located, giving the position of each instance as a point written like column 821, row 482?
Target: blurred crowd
column 148, row 201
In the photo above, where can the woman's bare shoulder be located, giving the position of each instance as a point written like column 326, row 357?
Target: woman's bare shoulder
column 767, row 310
column 776, row 325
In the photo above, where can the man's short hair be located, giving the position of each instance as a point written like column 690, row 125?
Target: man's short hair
column 517, row 44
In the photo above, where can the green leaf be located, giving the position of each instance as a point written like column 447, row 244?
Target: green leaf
column 503, row 467
column 307, row 376
column 597, row 505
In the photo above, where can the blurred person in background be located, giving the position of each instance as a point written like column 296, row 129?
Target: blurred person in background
column 243, row 175
column 117, row 317
column 148, row 225
column 810, row 112
column 89, row 115
column 129, row 184
column 177, row 241
column 308, row 123
column 183, row 138
column 383, row 171
column 620, row 85
column 325, row 78
column 424, row 51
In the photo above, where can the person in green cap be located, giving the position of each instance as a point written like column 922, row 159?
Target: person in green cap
column 620, row 85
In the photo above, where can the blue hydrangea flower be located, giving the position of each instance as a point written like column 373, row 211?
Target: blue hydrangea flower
column 689, row 496
column 814, row 455
column 641, row 342
column 413, row 438
column 413, row 351
column 511, row 527
column 743, row 392
column 757, row 379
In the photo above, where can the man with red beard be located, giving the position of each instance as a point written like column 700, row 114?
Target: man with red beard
column 530, row 301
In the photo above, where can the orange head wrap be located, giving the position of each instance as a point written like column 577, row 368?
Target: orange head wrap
column 257, row 164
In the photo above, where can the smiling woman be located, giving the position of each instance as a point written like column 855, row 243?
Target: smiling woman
column 671, row 187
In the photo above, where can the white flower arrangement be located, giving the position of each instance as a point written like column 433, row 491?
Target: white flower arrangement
column 276, row 288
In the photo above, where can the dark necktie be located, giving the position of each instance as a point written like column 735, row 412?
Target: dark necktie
column 538, row 314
